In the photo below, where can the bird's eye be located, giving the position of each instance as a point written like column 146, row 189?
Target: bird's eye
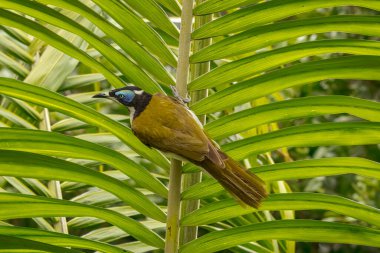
column 125, row 96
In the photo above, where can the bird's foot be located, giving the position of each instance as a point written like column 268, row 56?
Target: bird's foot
column 177, row 96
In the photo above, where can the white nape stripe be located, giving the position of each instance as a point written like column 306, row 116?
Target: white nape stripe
column 138, row 92
column 131, row 113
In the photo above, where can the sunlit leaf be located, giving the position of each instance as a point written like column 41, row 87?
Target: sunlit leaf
column 22, row 164
column 172, row 5
column 127, row 67
column 268, row 12
column 50, row 143
column 355, row 133
column 39, row 31
column 16, row 243
column 295, row 230
column 211, row 6
column 227, row 209
column 295, row 170
column 131, row 47
column 152, row 11
column 11, row 46
column 262, row 36
column 69, row 107
column 350, row 67
column 24, row 206
column 249, row 66
column 57, row 239
column 13, row 65
column 291, row 109
column 137, row 28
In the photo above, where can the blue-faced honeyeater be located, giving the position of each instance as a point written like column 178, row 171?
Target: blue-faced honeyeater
column 165, row 123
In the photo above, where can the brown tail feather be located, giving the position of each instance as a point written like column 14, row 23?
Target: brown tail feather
column 237, row 180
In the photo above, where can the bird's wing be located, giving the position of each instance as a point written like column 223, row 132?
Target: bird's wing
column 170, row 127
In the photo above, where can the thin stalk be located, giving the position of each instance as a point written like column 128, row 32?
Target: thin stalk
column 184, row 48
column 190, row 233
column 174, row 206
column 54, row 185
column 174, row 198
column 97, row 87
column 282, row 187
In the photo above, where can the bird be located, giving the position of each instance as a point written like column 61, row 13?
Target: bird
column 167, row 124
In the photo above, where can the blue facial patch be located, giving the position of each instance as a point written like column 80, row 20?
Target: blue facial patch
column 125, row 95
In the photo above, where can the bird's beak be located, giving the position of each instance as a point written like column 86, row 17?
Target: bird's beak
column 101, row 95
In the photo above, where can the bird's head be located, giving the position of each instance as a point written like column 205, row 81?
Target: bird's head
column 131, row 96
column 128, row 96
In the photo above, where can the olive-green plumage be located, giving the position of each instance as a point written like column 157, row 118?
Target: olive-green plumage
column 167, row 124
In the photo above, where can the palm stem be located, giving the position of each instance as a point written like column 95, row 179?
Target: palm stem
column 190, row 233
column 174, row 205
column 174, row 199
column 55, row 185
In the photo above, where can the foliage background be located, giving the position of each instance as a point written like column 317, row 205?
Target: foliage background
column 50, row 64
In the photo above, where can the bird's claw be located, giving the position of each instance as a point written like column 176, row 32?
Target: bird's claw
column 186, row 100
column 177, row 96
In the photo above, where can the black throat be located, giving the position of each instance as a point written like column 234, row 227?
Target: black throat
column 141, row 103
